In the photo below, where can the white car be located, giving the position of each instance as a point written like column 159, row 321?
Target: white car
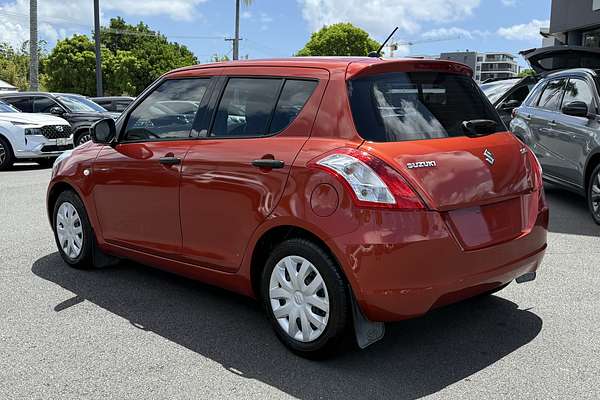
column 37, row 137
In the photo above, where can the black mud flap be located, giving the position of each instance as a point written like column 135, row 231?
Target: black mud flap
column 528, row 277
column 367, row 332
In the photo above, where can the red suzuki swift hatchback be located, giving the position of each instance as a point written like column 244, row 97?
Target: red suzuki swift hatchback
column 340, row 192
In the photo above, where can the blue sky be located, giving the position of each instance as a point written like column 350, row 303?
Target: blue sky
column 276, row 28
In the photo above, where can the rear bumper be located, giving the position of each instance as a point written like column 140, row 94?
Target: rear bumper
column 403, row 264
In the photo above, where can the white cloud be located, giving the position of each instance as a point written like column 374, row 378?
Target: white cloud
column 58, row 19
column 509, row 3
column 379, row 17
column 453, row 33
column 529, row 31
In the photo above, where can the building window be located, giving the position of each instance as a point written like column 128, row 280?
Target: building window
column 592, row 38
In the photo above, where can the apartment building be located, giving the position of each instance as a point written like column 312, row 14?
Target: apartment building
column 486, row 65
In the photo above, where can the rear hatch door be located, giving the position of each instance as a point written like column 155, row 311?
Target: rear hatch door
column 415, row 121
column 556, row 58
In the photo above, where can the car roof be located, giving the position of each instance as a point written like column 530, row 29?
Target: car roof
column 113, row 98
column 353, row 65
column 573, row 71
column 15, row 94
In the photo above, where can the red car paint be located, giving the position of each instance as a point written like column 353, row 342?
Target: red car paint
column 478, row 228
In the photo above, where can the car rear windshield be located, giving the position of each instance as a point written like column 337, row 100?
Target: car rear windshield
column 404, row 106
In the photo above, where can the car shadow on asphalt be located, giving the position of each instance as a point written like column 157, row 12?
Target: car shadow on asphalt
column 416, row 357
column 569, row 213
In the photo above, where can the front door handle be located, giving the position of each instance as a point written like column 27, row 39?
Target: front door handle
column 268, row 163
column 169, row 160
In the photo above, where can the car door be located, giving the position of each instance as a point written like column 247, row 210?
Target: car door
column 543, row 122
column 574, row 133
column 136, row 182
column 235, row 173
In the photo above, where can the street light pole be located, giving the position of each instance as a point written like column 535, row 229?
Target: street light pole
column 33, row 46
column 236, row 39
column 98, row 52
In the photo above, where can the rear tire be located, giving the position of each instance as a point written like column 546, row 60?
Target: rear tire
column 72, row 231
column 7, row 158
column 302, row 282
column 593, row 194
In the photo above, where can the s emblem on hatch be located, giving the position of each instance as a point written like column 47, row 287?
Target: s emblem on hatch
column 489, row 157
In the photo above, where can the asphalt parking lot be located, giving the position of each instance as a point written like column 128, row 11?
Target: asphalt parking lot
column 131, row 332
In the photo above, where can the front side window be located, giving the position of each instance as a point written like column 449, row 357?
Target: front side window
column 552, row 95
column 417, row 106
column 578, row 90
column 43, row 104
column 168, row 112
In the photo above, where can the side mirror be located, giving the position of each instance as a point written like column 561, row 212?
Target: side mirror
column 510, row 105
column 57, row 110
column 104, row 131
column 576, row 109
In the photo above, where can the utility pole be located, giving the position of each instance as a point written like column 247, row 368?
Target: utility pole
column 33, row 46
column 98, row 52
column 236, row 39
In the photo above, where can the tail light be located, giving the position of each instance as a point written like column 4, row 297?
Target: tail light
column 371, row 181
column 538, row 181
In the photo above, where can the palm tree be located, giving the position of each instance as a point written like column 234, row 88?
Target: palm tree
column 236, row 40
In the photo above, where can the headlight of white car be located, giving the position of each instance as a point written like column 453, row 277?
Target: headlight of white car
column 19, row 123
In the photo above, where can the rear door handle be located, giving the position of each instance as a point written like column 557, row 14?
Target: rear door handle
column 267, row 163
column 169, row 160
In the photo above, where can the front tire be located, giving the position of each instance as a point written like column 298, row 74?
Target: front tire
column 83, row 137
column 306, row 298
column 593, row 194
column 72, row 231
column 7, row 158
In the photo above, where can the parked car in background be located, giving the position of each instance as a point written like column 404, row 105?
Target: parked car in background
column 340, row 192
column 506, row 94
column 560, row 122
column 78, row 110
column 36, row 137
column 113, row 103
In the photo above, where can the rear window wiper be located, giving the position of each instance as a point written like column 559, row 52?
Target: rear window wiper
column 479, row 127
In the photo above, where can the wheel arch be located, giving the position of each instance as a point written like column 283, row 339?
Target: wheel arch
column 276, row 235
column 53, row 194
column 592, row 162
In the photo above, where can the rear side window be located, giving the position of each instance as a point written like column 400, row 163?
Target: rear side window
column 168, row 112
column 578, row 90
column 417, row 105
column 253, row 107
column 24, row 104
column 552, row 95
column 293, row 97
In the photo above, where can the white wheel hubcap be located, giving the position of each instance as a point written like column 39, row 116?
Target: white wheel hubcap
column 299, row 298
column 69, row 230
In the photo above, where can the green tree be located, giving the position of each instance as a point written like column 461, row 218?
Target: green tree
column 132, row 58
column 343, row 39
column 14, row 64
column 526, row 72
column 71, row 66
